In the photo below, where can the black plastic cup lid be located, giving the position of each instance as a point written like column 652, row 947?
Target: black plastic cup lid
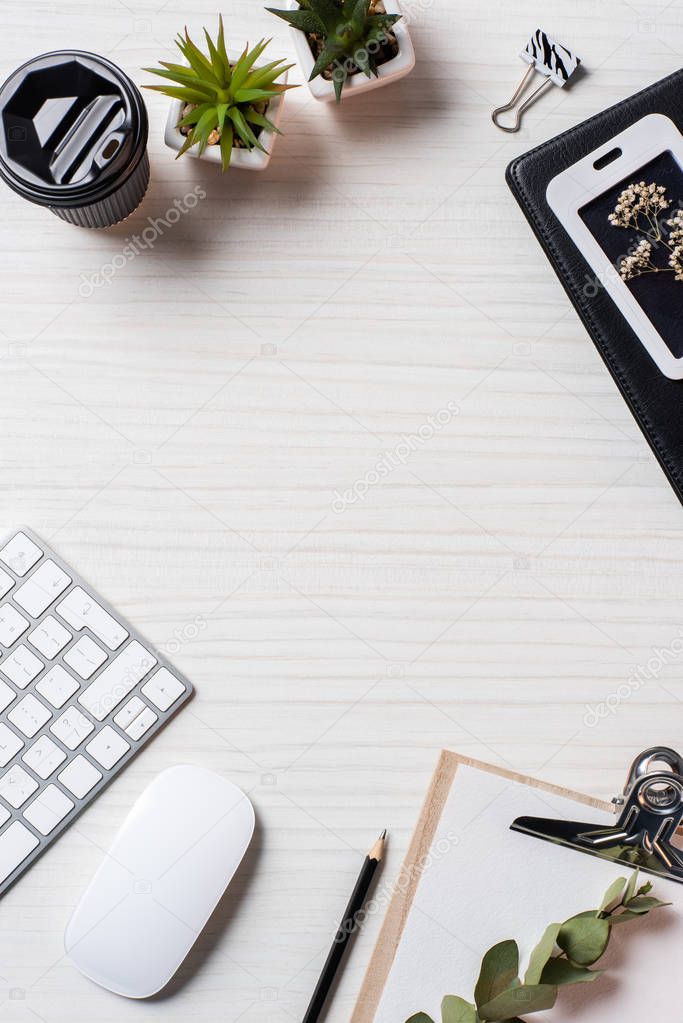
column 73, row 129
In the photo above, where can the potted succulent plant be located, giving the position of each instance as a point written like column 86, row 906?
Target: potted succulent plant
column 226, row 106
column 346, row 47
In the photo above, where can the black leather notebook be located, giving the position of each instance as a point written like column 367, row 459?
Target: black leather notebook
column 655, row 401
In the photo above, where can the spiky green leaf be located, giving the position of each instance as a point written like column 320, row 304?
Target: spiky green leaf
column 226, row 144
column 186, row 95
column 329, row 13
column 184, row 78
column 329, row 56
column 253, row 95
column 243, row 129
column 305, row 21
column 262, row 121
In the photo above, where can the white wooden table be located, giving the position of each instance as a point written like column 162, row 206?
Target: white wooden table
column 183, row 434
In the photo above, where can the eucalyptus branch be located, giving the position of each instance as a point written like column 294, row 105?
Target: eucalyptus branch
column 564, row 955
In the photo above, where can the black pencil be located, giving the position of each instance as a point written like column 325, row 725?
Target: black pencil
column 347, row 927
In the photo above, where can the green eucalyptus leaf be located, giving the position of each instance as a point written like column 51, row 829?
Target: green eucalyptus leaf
column 613, row 895
column 457, row 1010
column 641, row 904
column 420, row 1017
column 623, row 918
column 499, row 969
column 631, row 886
column 560, row 971
column 541, row 954
column 584, row 938
column 525, row 998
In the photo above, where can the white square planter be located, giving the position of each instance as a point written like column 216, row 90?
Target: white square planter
column 400, row 65
column 243, row 159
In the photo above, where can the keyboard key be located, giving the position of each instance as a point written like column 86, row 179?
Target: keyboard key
column 163, row 689
column 6, row 583
column 15, row 845
column 44, row 586
column 21, row 666
column 50, row 807
column 85, row 657
column 107, row 747
column 117, row 680
column 20, row 554
column 49, row 638
column 10, row 744
column 29, row 715
column 79, row 609
column 79, row 777
column 44, row 757
column 129, row 712
column 16, row 786
column 4, row 815
column 57, row 686
column 72, row 727
column 12, row 625
column 6, row 695
column 143, row 722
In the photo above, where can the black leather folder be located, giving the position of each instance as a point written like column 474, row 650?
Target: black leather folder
column 655, row 401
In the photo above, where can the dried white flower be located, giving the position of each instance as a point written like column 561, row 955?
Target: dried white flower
column 676, row 262
column 639, row 206
column 676, row 228
column 638, row 262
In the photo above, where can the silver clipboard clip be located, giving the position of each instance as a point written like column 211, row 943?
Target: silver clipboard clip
column 651, row 813
column 552, row 60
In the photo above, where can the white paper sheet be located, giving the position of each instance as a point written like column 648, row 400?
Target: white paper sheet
column 483, row 883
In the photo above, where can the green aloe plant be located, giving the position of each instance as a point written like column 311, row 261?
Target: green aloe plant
column 225, row 100
column 351, row 35
column 563, row 956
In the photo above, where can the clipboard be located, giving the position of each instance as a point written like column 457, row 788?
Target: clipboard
column 385, row 960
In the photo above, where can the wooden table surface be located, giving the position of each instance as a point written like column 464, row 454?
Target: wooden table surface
column 337, row 442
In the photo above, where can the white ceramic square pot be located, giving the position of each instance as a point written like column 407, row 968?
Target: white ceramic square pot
column 398, row 67
column 243, row 159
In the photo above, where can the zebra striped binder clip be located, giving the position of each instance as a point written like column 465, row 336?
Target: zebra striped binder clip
column 552, row 60
column 650, row 814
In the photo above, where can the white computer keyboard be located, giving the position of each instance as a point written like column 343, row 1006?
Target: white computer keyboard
column 80, row 693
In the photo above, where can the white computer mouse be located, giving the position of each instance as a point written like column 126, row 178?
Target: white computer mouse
column 164, row 874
